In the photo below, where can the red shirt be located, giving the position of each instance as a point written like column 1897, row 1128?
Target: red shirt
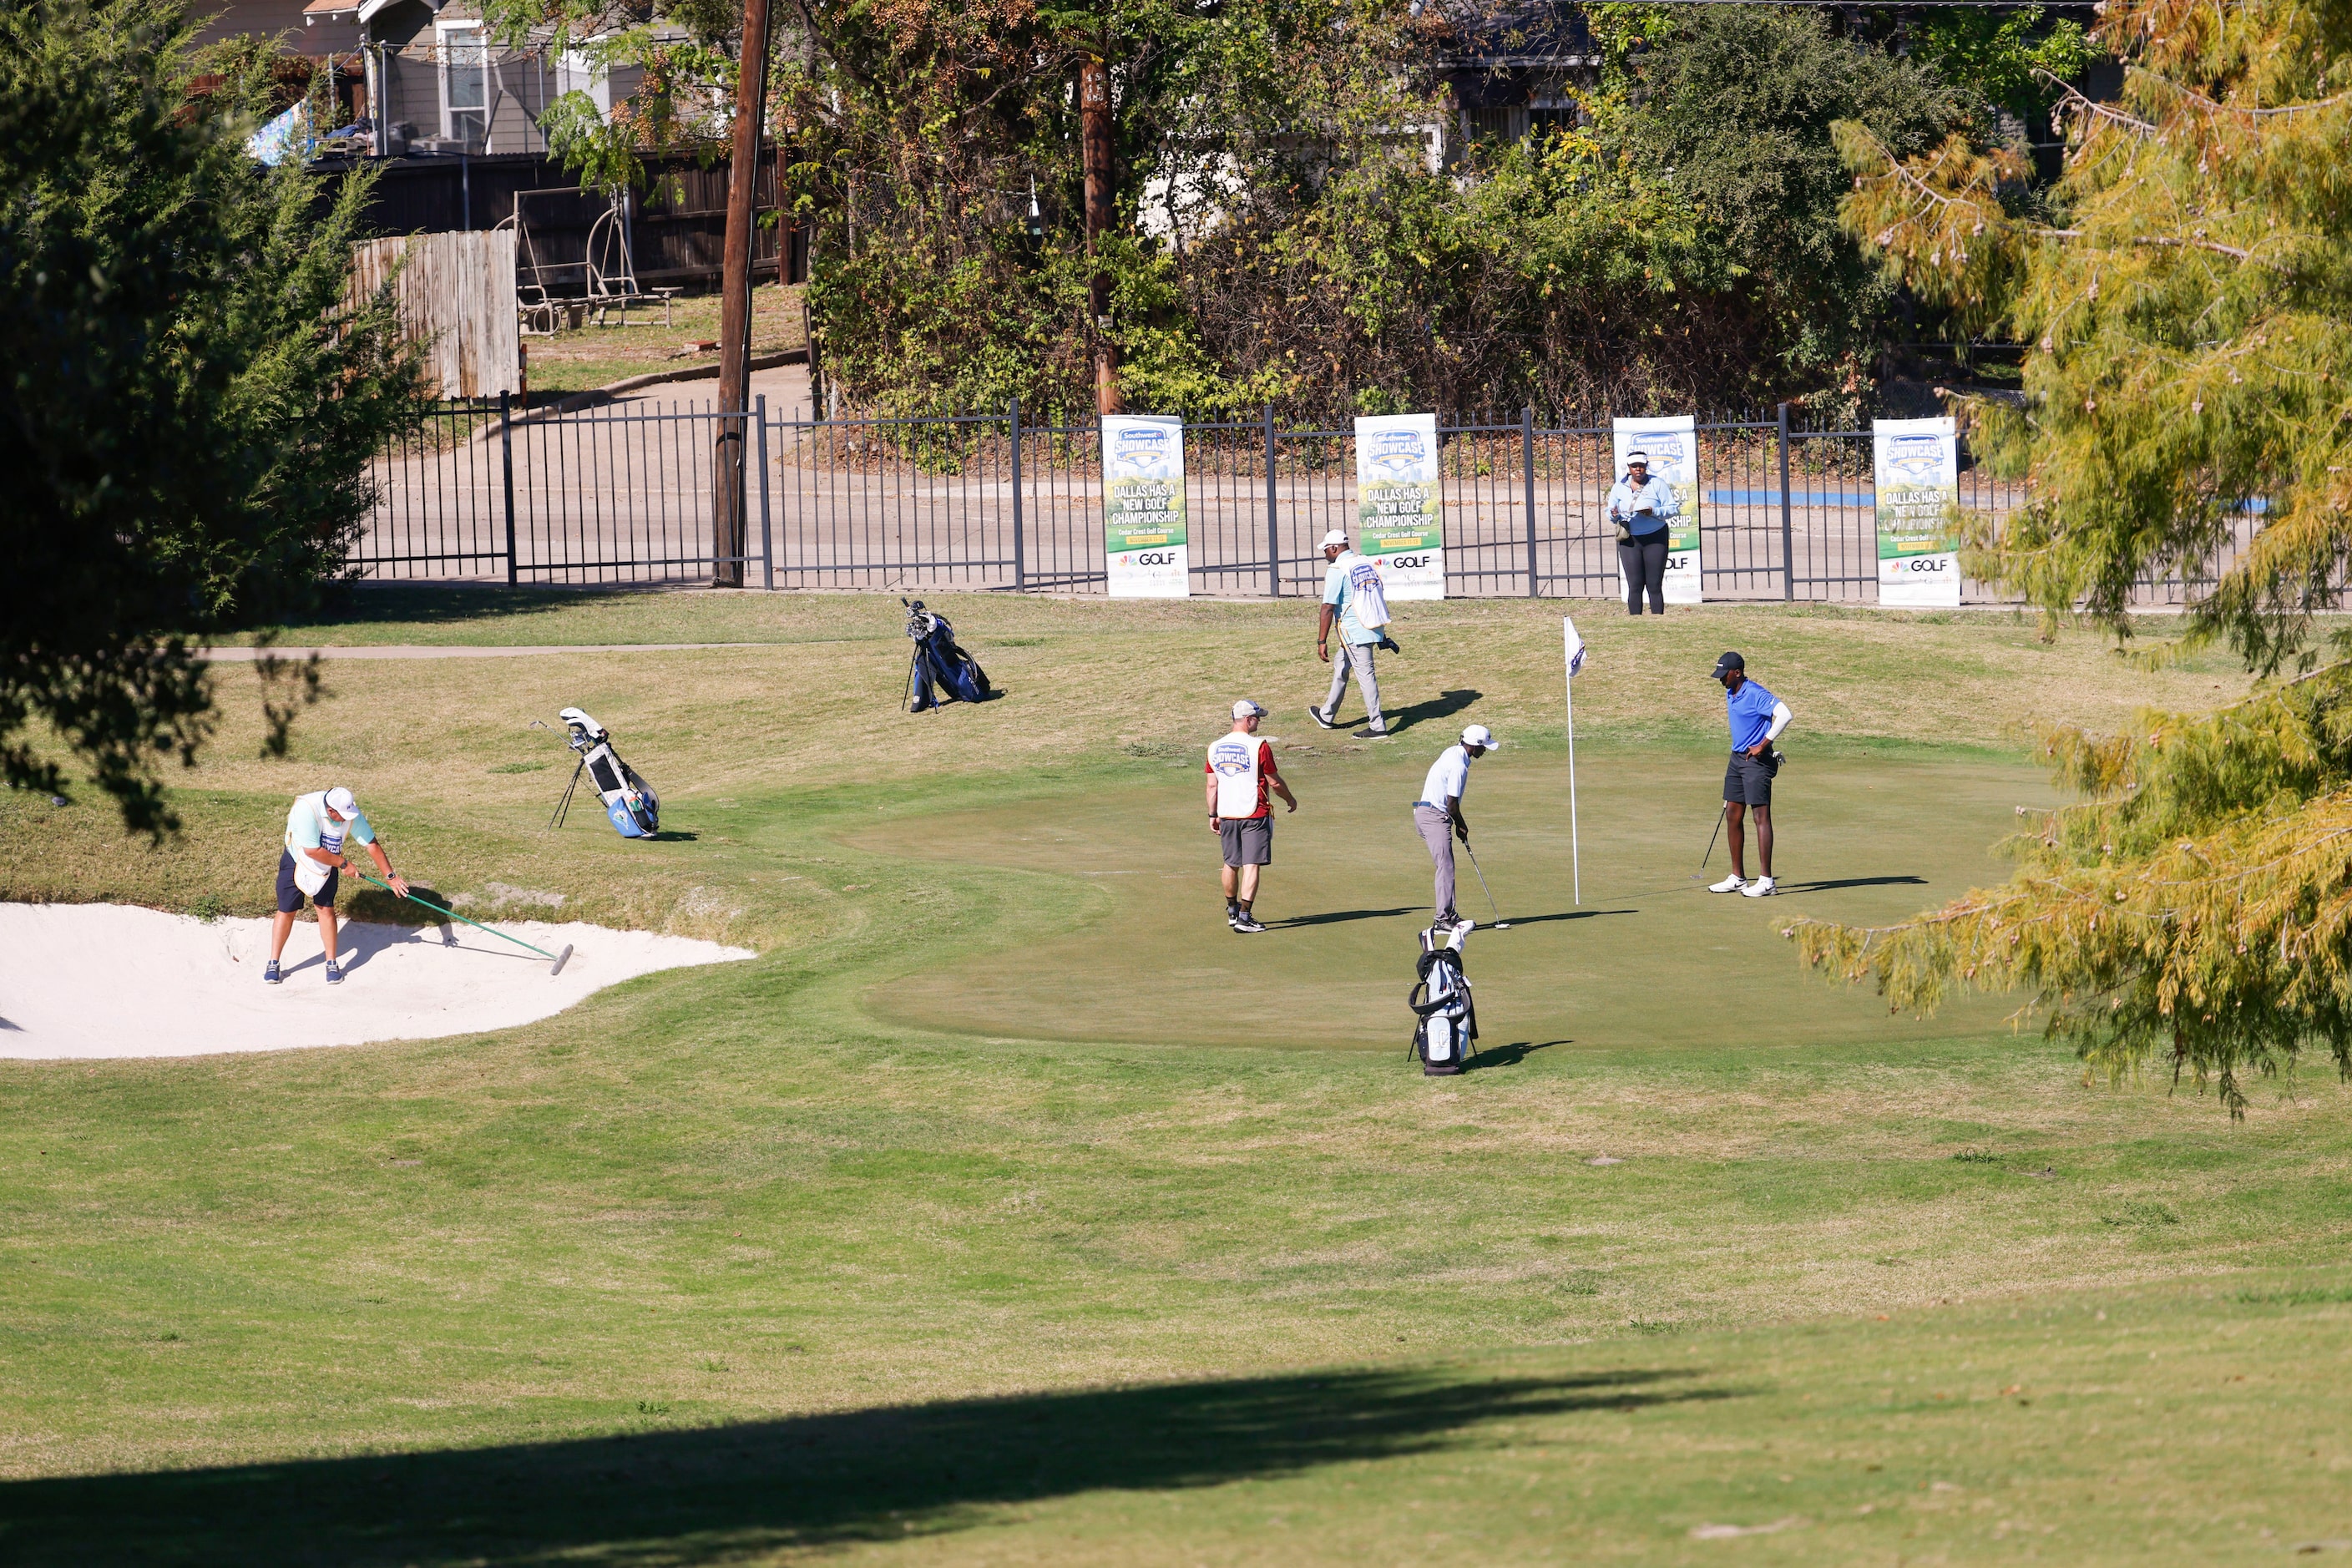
column 1266, row 776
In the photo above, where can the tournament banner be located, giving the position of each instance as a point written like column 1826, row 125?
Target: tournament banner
column 1400, row 513
column 1919, row 473
column 1671, row 444
column 1143, row 507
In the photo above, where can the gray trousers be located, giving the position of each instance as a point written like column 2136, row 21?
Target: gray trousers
column 1367, row 681
column 1437, row 831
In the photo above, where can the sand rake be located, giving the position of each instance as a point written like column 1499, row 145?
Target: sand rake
column 557, row 960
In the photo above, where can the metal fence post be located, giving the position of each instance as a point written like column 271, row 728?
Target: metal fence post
column 1020, row 554
column 1273, row 523
column 1528, row 458
column 1788, row 531
column 767, row 540
column 506, row 458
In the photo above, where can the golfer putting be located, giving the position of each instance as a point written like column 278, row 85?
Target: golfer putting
column 311, row 866
column 1241, row 771
column 1437, row 815
column 1352, row 595
column 1757, row 720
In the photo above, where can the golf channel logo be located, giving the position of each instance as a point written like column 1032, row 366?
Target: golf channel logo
column 1140, row 446
column 1398, row 451
column 1915, row 459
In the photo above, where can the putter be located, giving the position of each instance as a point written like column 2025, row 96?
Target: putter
column 561, row 959
column 1711, row 837
column 1500, row 923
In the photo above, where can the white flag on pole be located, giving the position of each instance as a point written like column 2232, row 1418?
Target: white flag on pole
column 1575, row 646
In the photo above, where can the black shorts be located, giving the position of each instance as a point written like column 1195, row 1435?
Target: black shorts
column 1748, row 780
column 289, row 897
column 1248, row 840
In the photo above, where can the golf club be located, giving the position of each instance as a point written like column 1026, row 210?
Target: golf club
column 1500, row 923
column 561, row 958
column 1711, row 837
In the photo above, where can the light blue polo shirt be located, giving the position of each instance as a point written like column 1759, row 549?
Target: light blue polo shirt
column 1340, row 592
column 306, row 826
column 1749, row 708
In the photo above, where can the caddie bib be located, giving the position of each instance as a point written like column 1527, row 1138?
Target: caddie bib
column 1233, row 759
column 309, row 875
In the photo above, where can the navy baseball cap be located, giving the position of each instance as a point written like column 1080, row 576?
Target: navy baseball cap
column 1729, row 661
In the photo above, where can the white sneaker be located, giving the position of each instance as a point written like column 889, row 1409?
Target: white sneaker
column 1731, row 884
column 1761, row 888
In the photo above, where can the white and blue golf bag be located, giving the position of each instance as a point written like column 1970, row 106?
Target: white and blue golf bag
column 1446, row 1030
column 629, row 800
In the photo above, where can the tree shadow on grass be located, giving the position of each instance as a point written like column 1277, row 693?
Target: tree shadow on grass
column 349, row 603
column 727, row 1493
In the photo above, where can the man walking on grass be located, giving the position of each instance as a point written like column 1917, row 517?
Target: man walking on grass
column 1352, row 595
column 312, row 864
column 1757, row 720
column 1241, row 770
column 1437, row 815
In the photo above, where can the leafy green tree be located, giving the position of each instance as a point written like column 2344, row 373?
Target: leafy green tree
column 2189, row 295
column 187, row 407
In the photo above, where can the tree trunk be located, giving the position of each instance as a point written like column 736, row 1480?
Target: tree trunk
column 1094, row 138
column 728, row 462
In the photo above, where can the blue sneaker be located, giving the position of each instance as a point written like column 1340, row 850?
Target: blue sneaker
column 270, row 973
column 335, row 975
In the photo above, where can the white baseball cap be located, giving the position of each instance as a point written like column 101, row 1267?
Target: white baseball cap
column 340, row 802
column 1246, row 709
column 1479, row 735
column 1337, row 536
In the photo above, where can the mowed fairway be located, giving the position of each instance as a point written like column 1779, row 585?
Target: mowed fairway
column 1010, row 1209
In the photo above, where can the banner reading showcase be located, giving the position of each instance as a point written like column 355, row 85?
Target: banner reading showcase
column 1672, row 445
column 1143, row 507
column 1400, row 513
column 1918, row 474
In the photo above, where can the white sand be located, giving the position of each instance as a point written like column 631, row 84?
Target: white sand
column 108, row 979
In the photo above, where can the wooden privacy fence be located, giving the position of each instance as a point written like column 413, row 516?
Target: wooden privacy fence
column 456, row 297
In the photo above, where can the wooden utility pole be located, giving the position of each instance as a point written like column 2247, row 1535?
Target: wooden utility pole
column 1094, row 145
column 728, row 529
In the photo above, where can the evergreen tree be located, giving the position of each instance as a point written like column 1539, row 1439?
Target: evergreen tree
column 2187, row 290
column 187, row 407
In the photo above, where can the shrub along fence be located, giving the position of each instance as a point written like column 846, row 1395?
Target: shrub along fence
column 625, row 494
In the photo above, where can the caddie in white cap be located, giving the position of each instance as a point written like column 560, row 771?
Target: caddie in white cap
column 312, row 866
column 1437, row 815
column 1353, row 597
column 1241, row 770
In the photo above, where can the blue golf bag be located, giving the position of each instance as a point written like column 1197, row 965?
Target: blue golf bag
column 630, row 803
column 940, row 664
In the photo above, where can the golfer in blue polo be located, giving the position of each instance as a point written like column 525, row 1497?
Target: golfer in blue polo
column 1757, row 720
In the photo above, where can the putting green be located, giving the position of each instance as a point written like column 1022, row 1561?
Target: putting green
column 1649, row 958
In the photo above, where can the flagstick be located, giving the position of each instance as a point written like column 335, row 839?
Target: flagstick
column 1575, row 852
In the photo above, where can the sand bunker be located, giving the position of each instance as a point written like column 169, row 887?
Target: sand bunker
column 107, row 980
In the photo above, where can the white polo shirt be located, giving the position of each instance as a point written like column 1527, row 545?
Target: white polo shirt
column 1449, row 777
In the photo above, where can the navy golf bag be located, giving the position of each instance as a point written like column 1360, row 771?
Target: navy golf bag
column 1446, row 1027
column 629, row 802
column 938, row 663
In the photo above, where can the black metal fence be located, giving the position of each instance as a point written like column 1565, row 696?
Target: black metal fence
column 626, row 494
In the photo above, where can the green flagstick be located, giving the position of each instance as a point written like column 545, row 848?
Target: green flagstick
column 561, row 958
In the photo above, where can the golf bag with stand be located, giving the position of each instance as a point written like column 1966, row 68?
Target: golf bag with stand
column 629, row 800
column 1447, row 1024
column 938, row 662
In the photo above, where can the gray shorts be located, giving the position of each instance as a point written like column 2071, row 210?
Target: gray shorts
column 1249, row 840
column 1748, row 780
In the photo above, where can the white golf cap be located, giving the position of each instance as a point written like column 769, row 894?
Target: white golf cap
column 340, row 802
column 1478, row 735
column 1337, row 536
column 1633, row 458
column 1246, row 709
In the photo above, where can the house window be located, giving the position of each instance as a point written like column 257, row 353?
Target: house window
column 465, row 83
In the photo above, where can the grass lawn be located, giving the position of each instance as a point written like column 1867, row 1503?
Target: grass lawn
column 593, row 356
column 1009, row 1208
